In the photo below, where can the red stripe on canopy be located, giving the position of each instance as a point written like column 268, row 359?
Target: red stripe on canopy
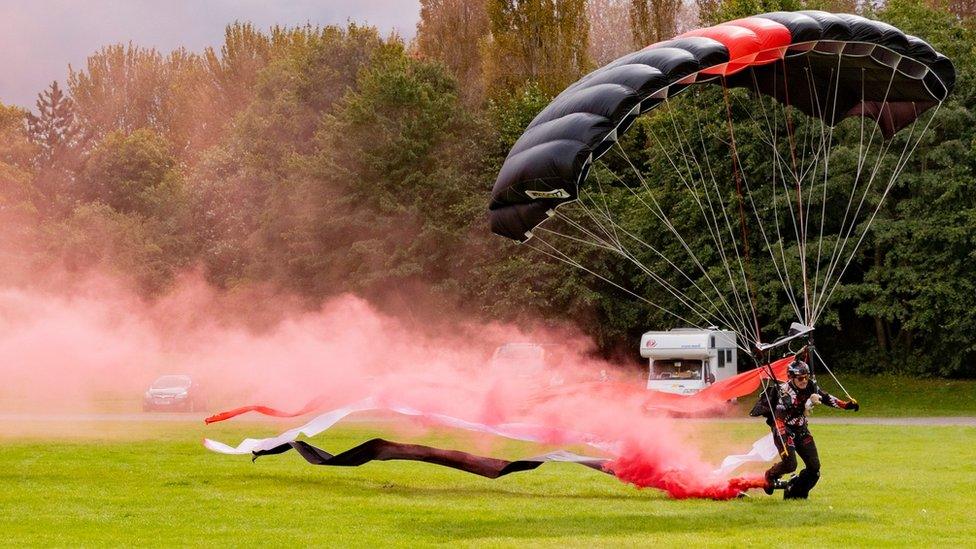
column 750, row 41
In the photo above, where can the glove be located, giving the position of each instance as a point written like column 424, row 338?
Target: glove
column 811, row 402
column 853, row 405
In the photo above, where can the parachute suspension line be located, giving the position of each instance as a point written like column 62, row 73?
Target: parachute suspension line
column 782, row 273
column 882, row 153
column 829, row 371
column 799, row 196
column 823, row 202
column 606, row 213
column 664, row 219
column 728, row 224
column 619, row 248
column 714, row 219
column 658, row 211
column 610, row 241
column 817, row 146
column 677, row 269
column 710, row 222
column 824, row 152
column 784, row 277
column 899, row 167
column 562, row 257
column 597, row 243
column 804, row 210
column 739, row 176
column 863, row 150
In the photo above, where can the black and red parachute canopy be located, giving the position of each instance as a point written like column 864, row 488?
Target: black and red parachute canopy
column 804, row 59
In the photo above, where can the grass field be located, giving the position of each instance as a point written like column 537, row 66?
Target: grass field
column 152, row 484
column 900, row 396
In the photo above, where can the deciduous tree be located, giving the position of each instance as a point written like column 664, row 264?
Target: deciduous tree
column 543, row 41
column 454, row 31
column 653, row 20
column 610, row 34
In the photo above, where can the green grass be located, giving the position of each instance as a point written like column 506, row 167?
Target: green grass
column 901, row 396
column 152, row 484
column 894, row 396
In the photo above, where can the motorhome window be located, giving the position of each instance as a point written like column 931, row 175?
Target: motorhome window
column 721, row 358
column 728, row 356
column 711, row 342
column 677, row 369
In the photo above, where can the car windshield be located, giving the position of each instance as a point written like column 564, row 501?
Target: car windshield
column 520, row 352
column 172, row 382
column 523, row 358
column 677, row 369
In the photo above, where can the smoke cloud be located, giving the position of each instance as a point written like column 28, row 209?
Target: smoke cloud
column 92, row 342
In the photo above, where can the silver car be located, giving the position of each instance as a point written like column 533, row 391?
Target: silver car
column 174, row 393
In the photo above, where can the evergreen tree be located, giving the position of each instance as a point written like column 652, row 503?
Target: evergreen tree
column 58, row 136
column 54, row 129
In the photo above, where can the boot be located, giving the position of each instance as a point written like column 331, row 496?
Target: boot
column 774, row 484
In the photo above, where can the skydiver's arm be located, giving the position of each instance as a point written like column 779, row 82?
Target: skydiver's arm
column 834, row 402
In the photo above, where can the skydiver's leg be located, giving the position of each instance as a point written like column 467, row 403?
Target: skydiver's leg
column 800, row 486
column 787, row 464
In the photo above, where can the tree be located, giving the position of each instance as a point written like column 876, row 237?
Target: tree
column 963, row 8
column 609, row 36
column 714, row 13
column 233, row 71
column 144, row 250
column 17, row 156
column 126, row 88
column 454, row 31
column 55, row 132
column 653, row 20
column 920, row 261
column 120, row 89
column 54, row 129
column 543, row 41
column 389, row 197
column 132, row 173
column 242, row 187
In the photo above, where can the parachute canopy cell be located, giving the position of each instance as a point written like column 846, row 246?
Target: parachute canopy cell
column 886, row 75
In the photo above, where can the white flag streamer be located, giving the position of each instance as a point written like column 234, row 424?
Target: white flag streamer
column 762, row 450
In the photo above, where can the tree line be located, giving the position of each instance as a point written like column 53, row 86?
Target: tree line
column 323, row 160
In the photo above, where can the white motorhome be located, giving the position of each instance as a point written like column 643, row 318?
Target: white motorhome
column 686, row 360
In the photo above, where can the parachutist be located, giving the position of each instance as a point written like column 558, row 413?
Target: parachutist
column 785, row 408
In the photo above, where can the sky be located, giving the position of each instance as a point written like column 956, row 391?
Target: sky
column 40, row 38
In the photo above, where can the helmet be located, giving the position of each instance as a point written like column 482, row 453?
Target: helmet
column 797, row 368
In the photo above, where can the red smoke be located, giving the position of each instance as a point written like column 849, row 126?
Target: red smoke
column 648, row 470
column 93, row 345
